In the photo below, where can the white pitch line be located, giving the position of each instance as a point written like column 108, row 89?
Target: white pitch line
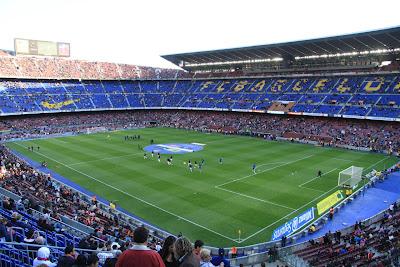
column 317, row 177
column 116, row 157
column 269, row 169
column 270, row 163
column 348, row 160
column 316, row 190
column 268, row 226
column 255, row 198
column 137, row 198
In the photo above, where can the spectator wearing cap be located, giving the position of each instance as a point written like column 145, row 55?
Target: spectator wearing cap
column 43, row 258
column 140, row 255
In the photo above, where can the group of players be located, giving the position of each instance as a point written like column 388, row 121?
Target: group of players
column 191, row 166
column 32, row 148
column 169, row 160
column 132, row 137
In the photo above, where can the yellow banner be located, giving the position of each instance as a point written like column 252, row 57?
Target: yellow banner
column 328, row 202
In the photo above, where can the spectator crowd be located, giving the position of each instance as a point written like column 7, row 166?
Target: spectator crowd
column 65, row 68
column 371, row 135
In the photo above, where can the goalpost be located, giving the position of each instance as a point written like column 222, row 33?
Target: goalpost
column 350, row 177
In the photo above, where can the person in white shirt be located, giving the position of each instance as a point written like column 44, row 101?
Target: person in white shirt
column 43, row 255
column 205, row 256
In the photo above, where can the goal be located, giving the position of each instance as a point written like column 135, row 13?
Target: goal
column 350, row 177
column 98, row 129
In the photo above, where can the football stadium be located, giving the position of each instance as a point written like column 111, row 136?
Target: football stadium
column 279, row 154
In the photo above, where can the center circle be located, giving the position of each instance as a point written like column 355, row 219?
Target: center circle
column 173, row 148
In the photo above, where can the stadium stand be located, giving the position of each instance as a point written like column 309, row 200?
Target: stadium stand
column 350, row 96
column 56, row 68
column 348, row 100
column 36, row 211
column 364, row 244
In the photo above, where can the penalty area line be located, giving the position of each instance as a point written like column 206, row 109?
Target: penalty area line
column 301, row 185
column 284, row 217
column 137, row 198
column 269, row 169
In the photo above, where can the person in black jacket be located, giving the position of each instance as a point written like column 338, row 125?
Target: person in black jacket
column 3, row 230
column 68, row 259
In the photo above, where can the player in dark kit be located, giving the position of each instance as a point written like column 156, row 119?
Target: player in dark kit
column 319, row 173
column 190, row 167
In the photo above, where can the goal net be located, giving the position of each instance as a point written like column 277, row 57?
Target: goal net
column 350, row 177
column 98, row 129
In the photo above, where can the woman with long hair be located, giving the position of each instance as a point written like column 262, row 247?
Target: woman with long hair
column 167, row 252
column 183, row 250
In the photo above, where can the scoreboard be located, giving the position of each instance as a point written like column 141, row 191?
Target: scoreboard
column 41, row 48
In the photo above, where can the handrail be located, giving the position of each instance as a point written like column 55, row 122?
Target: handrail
column 36, row 246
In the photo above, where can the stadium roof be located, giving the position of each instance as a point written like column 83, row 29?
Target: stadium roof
column 376, row 41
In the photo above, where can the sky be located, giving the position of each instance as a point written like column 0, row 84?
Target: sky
column 138, row 32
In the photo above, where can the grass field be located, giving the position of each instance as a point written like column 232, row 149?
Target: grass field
column 211, row 205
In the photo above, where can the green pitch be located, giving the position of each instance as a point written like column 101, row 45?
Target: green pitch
column 214, row 204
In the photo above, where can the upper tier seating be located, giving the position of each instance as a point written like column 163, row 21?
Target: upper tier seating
column 373, row 96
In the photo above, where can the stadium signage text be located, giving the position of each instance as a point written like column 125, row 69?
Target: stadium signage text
column 293, row 225
column 329, row 201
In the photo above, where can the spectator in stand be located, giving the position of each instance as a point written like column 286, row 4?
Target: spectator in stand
column 92, row 261
column 184, row 253
column 30, row 237
column 140, row 255
column 234, row 252
column 68, row 259
column 167, row 252
column 111, row 262
column 217, row 260
column 205, row 256
column 80, row 261
column 198, row 245
column 3, row 230
column 43, row 257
